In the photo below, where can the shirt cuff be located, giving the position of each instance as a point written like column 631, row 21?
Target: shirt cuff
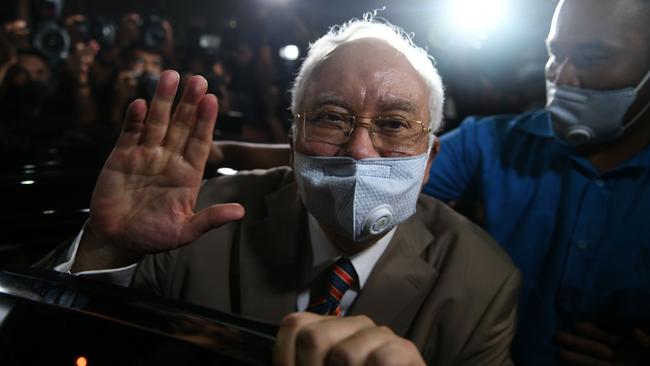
column 118, row 276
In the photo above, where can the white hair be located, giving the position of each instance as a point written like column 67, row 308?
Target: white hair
column 372, row 28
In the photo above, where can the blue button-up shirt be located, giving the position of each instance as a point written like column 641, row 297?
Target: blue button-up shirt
column 580, row 238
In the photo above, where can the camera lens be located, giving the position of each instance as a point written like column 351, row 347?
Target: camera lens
column 52, row 40
column 153, row 32
column 102, row 31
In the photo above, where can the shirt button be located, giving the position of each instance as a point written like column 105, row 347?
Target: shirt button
column 582, row 244
column 599, row 183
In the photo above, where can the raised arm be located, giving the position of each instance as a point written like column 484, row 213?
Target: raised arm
column 145, row 194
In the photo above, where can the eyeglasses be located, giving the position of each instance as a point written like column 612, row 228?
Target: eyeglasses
column 388, row 133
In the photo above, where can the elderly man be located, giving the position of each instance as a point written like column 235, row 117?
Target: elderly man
column 343, row 233
column 565, row 191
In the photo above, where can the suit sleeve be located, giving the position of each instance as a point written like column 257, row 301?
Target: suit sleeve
column 151, row 274
column 454, row 170
column 490, row 342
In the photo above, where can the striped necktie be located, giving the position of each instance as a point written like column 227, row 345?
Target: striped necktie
column 339, row 279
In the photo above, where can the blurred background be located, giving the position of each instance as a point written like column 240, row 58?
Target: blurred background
column 69, row 68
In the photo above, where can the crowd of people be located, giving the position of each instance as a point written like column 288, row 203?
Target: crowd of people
column 77, row 97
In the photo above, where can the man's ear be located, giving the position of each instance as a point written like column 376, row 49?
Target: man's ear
column 432, row 155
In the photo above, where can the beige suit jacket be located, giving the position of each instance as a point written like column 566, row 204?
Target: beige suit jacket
column 442, row 282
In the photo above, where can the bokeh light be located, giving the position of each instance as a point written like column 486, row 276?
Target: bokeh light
column 477, row 18
column 289, row 52
column 81, row 361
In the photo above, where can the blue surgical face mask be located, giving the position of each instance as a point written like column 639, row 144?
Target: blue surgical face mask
column 359, row 198
column 582, row 116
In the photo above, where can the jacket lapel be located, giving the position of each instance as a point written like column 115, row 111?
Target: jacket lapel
column 400, row 280
column 269, row 257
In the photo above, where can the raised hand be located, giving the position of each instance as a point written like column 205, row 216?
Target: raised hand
column 145, row 194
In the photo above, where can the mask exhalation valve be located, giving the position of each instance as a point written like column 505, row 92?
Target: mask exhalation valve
column 378, row 220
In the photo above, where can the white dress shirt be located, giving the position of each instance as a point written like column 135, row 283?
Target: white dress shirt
column 117, row 276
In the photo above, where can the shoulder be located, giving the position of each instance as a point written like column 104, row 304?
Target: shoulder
column 473, row 300
column 460, row 244
column 245, row 186
column 534, row 122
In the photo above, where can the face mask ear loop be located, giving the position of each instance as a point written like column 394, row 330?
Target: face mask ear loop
column 636, row 118
column 643, row 81
column 645, row 109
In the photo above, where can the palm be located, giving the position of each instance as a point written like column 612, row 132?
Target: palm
column 145, row 195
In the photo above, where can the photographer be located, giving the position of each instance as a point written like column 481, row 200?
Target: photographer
column 25, row 98
column 77, row 69
column 136, row 79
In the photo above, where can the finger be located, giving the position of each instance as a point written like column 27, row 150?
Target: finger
column 133, row 124
column 198, row 145
column 185, row 116
column 315, row 340
column 590, row 330
column 159, row 111
column 355, row 349
column 210, row 218
column 398, row 352
column 574, row 358
column 642, row 337
column 284, row 352
column 586, row 346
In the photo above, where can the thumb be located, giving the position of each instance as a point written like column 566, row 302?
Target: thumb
column 210, row 218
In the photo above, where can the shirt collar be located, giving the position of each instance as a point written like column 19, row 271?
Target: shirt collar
column 536, row 122
column 639, row 161
column 323, row 251
column 539, row 123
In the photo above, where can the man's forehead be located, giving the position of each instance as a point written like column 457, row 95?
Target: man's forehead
column 364, row 54
column 602, row 23
column 386, row 100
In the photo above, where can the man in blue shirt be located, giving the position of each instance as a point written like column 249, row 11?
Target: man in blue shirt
column 567, row 192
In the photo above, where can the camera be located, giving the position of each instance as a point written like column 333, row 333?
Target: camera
column 48, row 37
column 152, row 32
column 99, row 29
column 52, row 41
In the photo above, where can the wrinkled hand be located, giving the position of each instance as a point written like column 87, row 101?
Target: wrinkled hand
column 145, row 194
column 590, row 345
column 310, row 339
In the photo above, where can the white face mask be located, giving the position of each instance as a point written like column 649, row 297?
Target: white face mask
column 581, row 116
column 358, row 198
